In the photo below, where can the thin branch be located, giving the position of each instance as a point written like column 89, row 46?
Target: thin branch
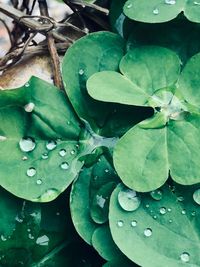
column 29, row 22
column 105, row 11
column 52, row 48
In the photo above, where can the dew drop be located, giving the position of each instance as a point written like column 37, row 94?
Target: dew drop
column 180, row 198
column 155, row 217
column 51, row 145
column 100, row 201
column 31, row 172
column 134, row 223
column 27, row 85
column 42, row 240
column 72, row 152
column 24, row 158
column 129, row 5
column 169, row 209
column 62, row 152
column 3, row 238
column 163, row 210
column 147, row 206
column 183, row 212
column 156, row 195
column 148, row 232
column 29, row 107
column 193, row 213
column 48, row 195
column 45, row 156
column 196, row 196
column 81, row 72
column 196, row 3
column 170, row 221
column 27, row 144
column 18, row 219
column 170, row 2
column 155, row 11
column 64, row 166
column 39, row 181
column 30, row 236
column 106, row 170
column 120, row 223
column 2, row 138
column 185, row 257
column 128, row 200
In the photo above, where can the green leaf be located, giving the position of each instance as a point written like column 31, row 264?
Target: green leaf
column 189, row 81
column 39, row 138
column 153, row 11
column 160, row 232
column 147, row 168
column 35, row 233
column 80, row 206
column 102, row 51
column 158, row 67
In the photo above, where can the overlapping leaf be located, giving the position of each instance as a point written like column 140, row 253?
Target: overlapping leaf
column 163, row 230
column 167, row 142
column 155, row 11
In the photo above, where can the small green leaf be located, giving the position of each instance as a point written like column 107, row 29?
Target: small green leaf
column 147, row 168
column 160, row 232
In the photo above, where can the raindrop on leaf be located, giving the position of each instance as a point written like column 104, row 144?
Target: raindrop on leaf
column 185, row 257
column 27, row 144
column 29, row 107
column 120, row 223
column 163, row 210
column 51, row 145
column 45, row 156
column 196, row 196
column 128, row 200
column 134, row 223
column 156, row 195
column 64, row 166
column 31, row 172
column 155, row 11
column 42, row 240
column 148, row 232
column 62, row 152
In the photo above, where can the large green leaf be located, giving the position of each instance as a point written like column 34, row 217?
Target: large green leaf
column 39, row 141
column 144, row 69
column 162, row 231
column 155, row 11
column 95, row 52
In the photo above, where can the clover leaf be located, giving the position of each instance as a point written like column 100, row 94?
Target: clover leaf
column 155, row 11
column 163, row 229
column 39, row 141
column 169, row 142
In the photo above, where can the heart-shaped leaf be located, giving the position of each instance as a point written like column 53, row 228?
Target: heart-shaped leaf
column 155, row 11
column 39, row 136
column 162, row 231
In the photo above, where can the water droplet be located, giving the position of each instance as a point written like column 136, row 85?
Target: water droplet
column 64, row 166
column 170, row 2
column 128, row 200
column 163, row 210
column 170, row 221
column 81, row 72
column 48, row 195
column 3, row 238
column 27, row 85
column 2, row 138
column 106, row 170
column 155, row 217
column 30, row 236
column 134, row 223
column 148, row 232
column 183, row 212
column 42, row 240
column 156, row 195
column 73, row 152
column 193, row 213
column 27, row 144
column 29, row 107
column 45, row 156
column 51, row 145
column 180, row 198
column 185, row 257
column 18, row 219
column 196, row 196
column 147, row 206
column 155, row 11
column 24, row 158
column 28, row 230
column 39, row 181
column 62, row 152
column 129, row 5
column 57, row 213
column 31, row 172
column 100, row 201
column 120, row 223
column 196, row 3
column 169, row 209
